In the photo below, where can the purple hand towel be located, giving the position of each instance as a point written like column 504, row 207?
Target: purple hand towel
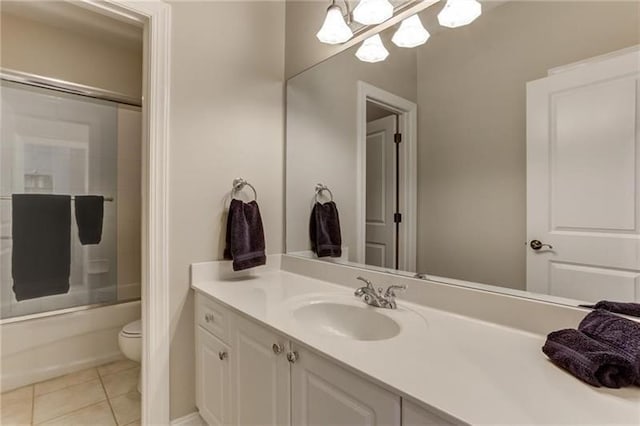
column 245, row 236
column 621, row 333
column 589, row 360
column 624, row 308
column 324, row 230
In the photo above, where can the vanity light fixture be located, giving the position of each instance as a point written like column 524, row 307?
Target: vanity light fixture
column 372, row 50
column 335, row 30
column 411, row 33
column 371, row 12
column 457, row 13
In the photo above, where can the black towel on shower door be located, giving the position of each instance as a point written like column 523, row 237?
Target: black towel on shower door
column 41, row 255
column 89, row 211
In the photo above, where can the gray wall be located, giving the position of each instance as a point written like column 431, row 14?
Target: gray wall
column 227, row 120
column 40, row 48
column 471, row 92
column 321, row 134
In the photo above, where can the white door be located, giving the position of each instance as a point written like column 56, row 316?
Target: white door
column 261, row 382
column 323, row 394
column 583, row 180
column 212, row 379
column 380, row 227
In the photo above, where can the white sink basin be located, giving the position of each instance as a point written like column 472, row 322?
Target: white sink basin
column 346, row 320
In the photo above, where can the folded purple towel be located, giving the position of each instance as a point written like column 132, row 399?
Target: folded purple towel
column 621, row 333
column 624, row 308
column 589, row 360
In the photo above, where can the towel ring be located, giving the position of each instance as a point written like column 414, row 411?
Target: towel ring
column 321, row 188
column 239, row 184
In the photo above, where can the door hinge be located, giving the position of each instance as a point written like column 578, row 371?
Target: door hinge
column 397, row 217
column 397, row 138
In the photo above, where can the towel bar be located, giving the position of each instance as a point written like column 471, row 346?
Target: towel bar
column 322, row 187
column 8, row 197
column 239, row 184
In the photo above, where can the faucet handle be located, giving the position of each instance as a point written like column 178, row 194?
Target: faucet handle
column 391, row 290
column 367, row 282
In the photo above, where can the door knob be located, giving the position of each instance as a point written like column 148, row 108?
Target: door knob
column 223, row 355
column 277, row 348
column 537, row 245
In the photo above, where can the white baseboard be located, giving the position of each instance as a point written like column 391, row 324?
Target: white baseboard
column 192, row 419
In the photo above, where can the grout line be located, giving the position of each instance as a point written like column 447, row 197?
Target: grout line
column 64, row 387
column 71, row 412
column 113, row 413
column 33, row 403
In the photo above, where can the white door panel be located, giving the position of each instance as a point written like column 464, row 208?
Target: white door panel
column 325, row 394
column 583, row 179
column 261, row 392
column 380, row 228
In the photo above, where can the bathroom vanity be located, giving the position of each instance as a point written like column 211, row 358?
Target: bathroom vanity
column 282, row 347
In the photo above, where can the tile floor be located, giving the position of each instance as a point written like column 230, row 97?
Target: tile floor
column 105, row 395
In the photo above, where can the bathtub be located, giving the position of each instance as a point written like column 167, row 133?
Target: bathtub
column 62, row 342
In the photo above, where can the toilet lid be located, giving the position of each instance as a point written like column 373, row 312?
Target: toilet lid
column 133, row 328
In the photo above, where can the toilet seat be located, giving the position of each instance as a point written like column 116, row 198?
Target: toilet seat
column 132, row 330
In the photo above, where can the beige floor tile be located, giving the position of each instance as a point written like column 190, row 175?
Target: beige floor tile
column 116, row 366
column 64, row 401
column 66, row 381
column 122, row 382
column 95, row 415
column 16, row 406
column 126, row 407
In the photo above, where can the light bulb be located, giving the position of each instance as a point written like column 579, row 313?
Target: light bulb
column 334, row 30
column 457, row 13
column 411, row 33
column 372, row 50
column 371, row 12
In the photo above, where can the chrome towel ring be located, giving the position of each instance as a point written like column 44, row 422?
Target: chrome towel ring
column 239, row 184
column 320, row 188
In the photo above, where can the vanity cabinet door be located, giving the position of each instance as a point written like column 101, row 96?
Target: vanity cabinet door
column 414, row 415
column 323, row 393
column 212, row 378
column 261, row 375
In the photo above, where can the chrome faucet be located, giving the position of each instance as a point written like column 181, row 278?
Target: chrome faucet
column 378, row 298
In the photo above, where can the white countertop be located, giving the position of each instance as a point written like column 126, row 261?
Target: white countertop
column 474, row 371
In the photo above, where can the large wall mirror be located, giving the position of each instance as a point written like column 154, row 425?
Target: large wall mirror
column 518, row 168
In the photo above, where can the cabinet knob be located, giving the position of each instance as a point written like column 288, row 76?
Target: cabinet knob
column 223, row 355
column 292, row 356
column 208, row 317
column 277, row 348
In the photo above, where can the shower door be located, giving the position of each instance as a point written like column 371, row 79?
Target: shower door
column 57, row 143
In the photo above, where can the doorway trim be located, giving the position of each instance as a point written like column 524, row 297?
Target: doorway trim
column 154, row 16
column 408, row 118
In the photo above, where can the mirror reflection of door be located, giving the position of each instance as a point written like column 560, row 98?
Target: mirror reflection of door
column 381, row 240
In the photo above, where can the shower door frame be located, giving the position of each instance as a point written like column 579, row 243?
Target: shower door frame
column 155, row 17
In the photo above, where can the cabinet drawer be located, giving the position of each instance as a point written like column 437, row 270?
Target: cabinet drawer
column 212, row 317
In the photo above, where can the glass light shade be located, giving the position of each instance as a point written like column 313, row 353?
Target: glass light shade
column 334, row 30
column 411, row 33
column 371, row 12
column 457, row 13
column 372, row 50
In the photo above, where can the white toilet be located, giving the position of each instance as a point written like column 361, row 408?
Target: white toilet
column 130, row 341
